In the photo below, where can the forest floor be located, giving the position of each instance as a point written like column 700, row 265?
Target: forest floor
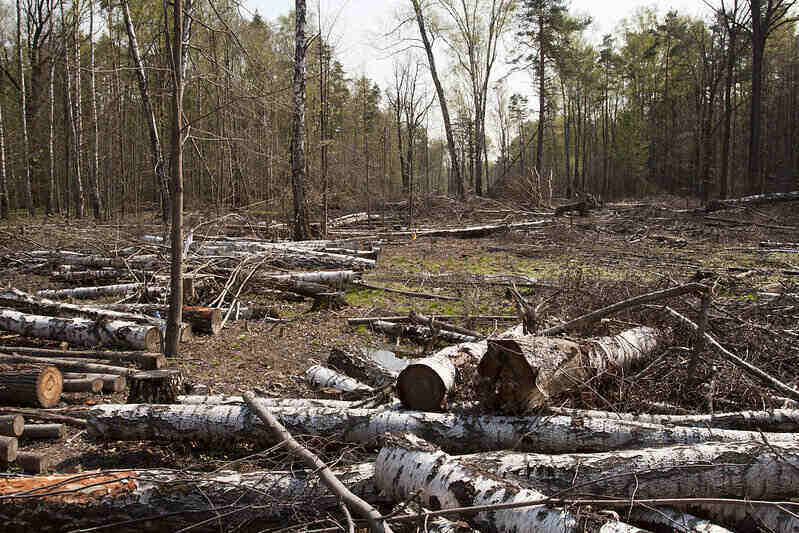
column 578, row 263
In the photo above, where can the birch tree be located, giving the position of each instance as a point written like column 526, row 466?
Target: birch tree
column 301, row 227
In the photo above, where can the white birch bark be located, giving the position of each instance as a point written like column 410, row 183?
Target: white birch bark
column 408, row 466
column 325, row 378
column 353, row 218
column 674, row 520
column 777, row 420
column 87, row 293
column 718, row 470
column 82, row 331
column 461, row 432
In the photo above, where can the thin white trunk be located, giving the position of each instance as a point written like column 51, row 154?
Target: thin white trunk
column 95, row 159
column 88, row 293
column 324, row 378
column 23, row 110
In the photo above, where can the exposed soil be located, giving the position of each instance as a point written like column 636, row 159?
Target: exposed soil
column 580, row 263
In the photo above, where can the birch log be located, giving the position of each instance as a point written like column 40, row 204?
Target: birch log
column 367, row 367
column 408, row 466
column 776, row 420
column 325, row 378
column 460, row 432
column 155, row 501
column 99, row 261
column 66, row 364
column 82, row 331
column 717, row 470
column 518, row 376
column 88, row 293
column 418, row 332
column 145, row 360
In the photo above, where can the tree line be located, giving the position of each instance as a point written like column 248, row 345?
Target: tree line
column 705, row 107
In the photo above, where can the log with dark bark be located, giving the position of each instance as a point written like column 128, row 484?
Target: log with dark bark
column 410, row 467
column 155, row 386
column 83, row 385
column 44, row 431
column 520, row 375
column 8, row 449
column 155, row 501
column 144, row 360
column 457, row 432
column 37, row 385
column 424, row 320
column 66, row 364
column 321, row 294
column 716, row 205
column 12, row 425
column 110, row 383
column 82, row 331
column 419, row 333
column 34, row 463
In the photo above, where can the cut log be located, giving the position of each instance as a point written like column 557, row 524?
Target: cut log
column 82, row 331
column 375, row 368
column 83, row 385
column 373, row 254
column 203, row 319
column 46, row 414
column 8, row 449
column 95, row 275
column 11, row 425
column 355, row 321
column 325, row 378
column 410, row 467
column 73, row 258
column 518, row 376
column 299, row 259
column 89, row 293
column 144, row 360
column 704, row 470
column 270, row 403
column 321, row 294
column 155, row 386
column 461, row 432
column 44, row 431
column 65, row 364
column 36, row 385
column 155, row 501
column 110, row 382
column 777, row 420
column 716, row 205
column 424, row 320
column 352, row 218
column 34, row 463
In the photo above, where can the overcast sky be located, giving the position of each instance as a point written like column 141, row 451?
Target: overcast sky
column 358, row 23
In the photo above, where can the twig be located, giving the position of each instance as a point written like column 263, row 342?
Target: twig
column 376, row 522
column 412, row 294
column 734, row 359
column 626, row 304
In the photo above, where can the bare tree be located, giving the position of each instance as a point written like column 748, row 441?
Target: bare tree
column 23, row 109
column 4, row 204
column 442, row 100
column 94, row 171
column 301, row 226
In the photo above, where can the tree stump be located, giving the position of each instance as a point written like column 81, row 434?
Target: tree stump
column 38, row 386
column 156, row 387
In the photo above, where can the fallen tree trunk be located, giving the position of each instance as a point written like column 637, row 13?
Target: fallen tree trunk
column 83, row 385
column 762, row 471
column 147, row 500
column 44, row 431
column 202, row 319
column 519, row 375
column 64, row 364
column 37, row 385
column 46, row 414
column 408, row 466
column 145, row 360
column 82, row 331
column 418, row 333
column 73, row 258
column 366, row 367
column 309, row 260
column 716, row 205
column 777, row 420
column 320, row 293
column 88, row 293
column 94, row 275
column 461, row 432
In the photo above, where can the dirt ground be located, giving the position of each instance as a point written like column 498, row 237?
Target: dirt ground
column 578, row 263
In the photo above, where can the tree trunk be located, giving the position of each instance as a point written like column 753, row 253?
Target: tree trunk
column 83, row 332
column 66, row 364
column 77, row 113
column 155, row 386
column 365, row 367
column 442, row 100
column 301, row 225
column 11, row 425
column 460, row 432
column 747, row 201
column 89, row 293
column 5, row 205
column 8, row 449
column 83, row 385
column 410, row 467
column 52, row 203
column 37, row 386
column 518, row 376
column 23, row 110
column 145, row 360
column 94, row 175
column 138, row 502
column 324, row 378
